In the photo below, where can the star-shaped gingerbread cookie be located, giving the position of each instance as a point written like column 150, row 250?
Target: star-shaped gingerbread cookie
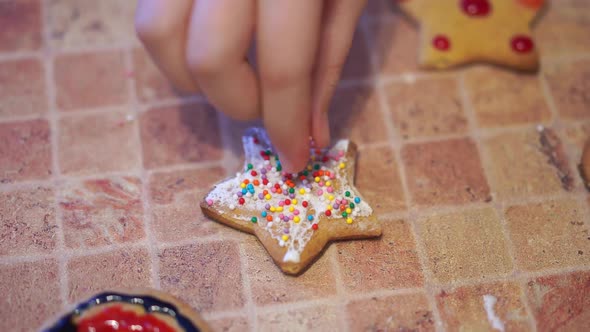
column 294, row 216
column 455, row 32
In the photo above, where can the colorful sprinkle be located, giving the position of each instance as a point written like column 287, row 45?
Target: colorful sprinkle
column 310, row 217
column 209, row 202
column 285, row 237
column 349, row 221
column 254, row 219
column 357, row 200
column 314, row 227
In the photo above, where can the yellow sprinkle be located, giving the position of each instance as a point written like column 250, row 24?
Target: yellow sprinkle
column 349, row 220
column 348, row 210
column 272, row 209
column 331, row 197
column 296, row 219
column 328, row 183
column 267, row 197
column 285, row 237
column 291, row 209
column 242, row 185
column 294, row 201
column 329, row 207
column 280, row 209
column 342, row 165
column 302, row 191
column 317, row 179
column 309, row 168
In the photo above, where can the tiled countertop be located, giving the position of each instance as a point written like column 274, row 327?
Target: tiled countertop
column 102, row 165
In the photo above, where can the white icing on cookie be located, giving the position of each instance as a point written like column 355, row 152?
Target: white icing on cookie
column 289, row 221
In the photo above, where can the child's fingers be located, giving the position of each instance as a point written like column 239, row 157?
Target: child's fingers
column 219, row 35
column 287, row 41
column 161, row 25
column 339, row 23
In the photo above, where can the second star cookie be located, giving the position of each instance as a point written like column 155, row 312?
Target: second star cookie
column 455, row 32
column 293, row 215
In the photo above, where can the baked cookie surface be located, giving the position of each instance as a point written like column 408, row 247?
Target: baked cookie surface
column 455, row 32
column 294, row 216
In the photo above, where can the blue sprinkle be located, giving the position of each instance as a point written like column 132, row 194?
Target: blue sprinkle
column 310, row 217
column 244, row 191
column 357, row 200
column 263, row 214
column 250, row 186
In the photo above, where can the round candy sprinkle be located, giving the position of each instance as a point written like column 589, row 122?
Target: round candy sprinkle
column 287, row 202
column 296, row 219
column 209, row 202
column 280, row 209
column 349, row 220
column 310, row 217
column 291, row 209
column 291, row 190
column 294, row 201
column 347, row 193
column 344, row 214
column 296, row 212
column 305, row 204
column 260, row 196
column 314, row 227
column 267, row 206
column 272, row 209
column 342, row 165
column 285, row 237
column 241, row 201
column 242, row 185
column 328, row 213
column 250, row 166
column 351, row 205
column 267, row 197
column 244, row 191
column 263, row 214
column 269, row 218
column 357, row 200
column 254, row 219
column 302, row 191
column 329, row 207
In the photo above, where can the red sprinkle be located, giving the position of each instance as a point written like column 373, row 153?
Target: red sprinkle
column 476, row 7
column 314, row 227
column 287, row 202
column 328, row 213
column 522, row 44
column 253, row 173
column 241, row 201
column 304, row 203
column 265, row 182
column 441, row 42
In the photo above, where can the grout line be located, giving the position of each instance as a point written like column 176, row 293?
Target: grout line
column 395, row 143
column 24, row 118
column 21, row 55
column 47, row 60
column 340, row 289
column 147, row 209
column 498, row 207
column 251, row 307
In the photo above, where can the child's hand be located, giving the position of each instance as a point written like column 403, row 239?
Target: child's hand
column 301, row 48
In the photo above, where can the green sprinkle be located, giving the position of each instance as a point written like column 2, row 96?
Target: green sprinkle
column 279, row 168
column 291, row 190
column 306, row 173
column 254, row 219
column 267, row 152
column 316, row 167
column 344, row 214
column 347, row 193
column 351, row 205
column 250, row 166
